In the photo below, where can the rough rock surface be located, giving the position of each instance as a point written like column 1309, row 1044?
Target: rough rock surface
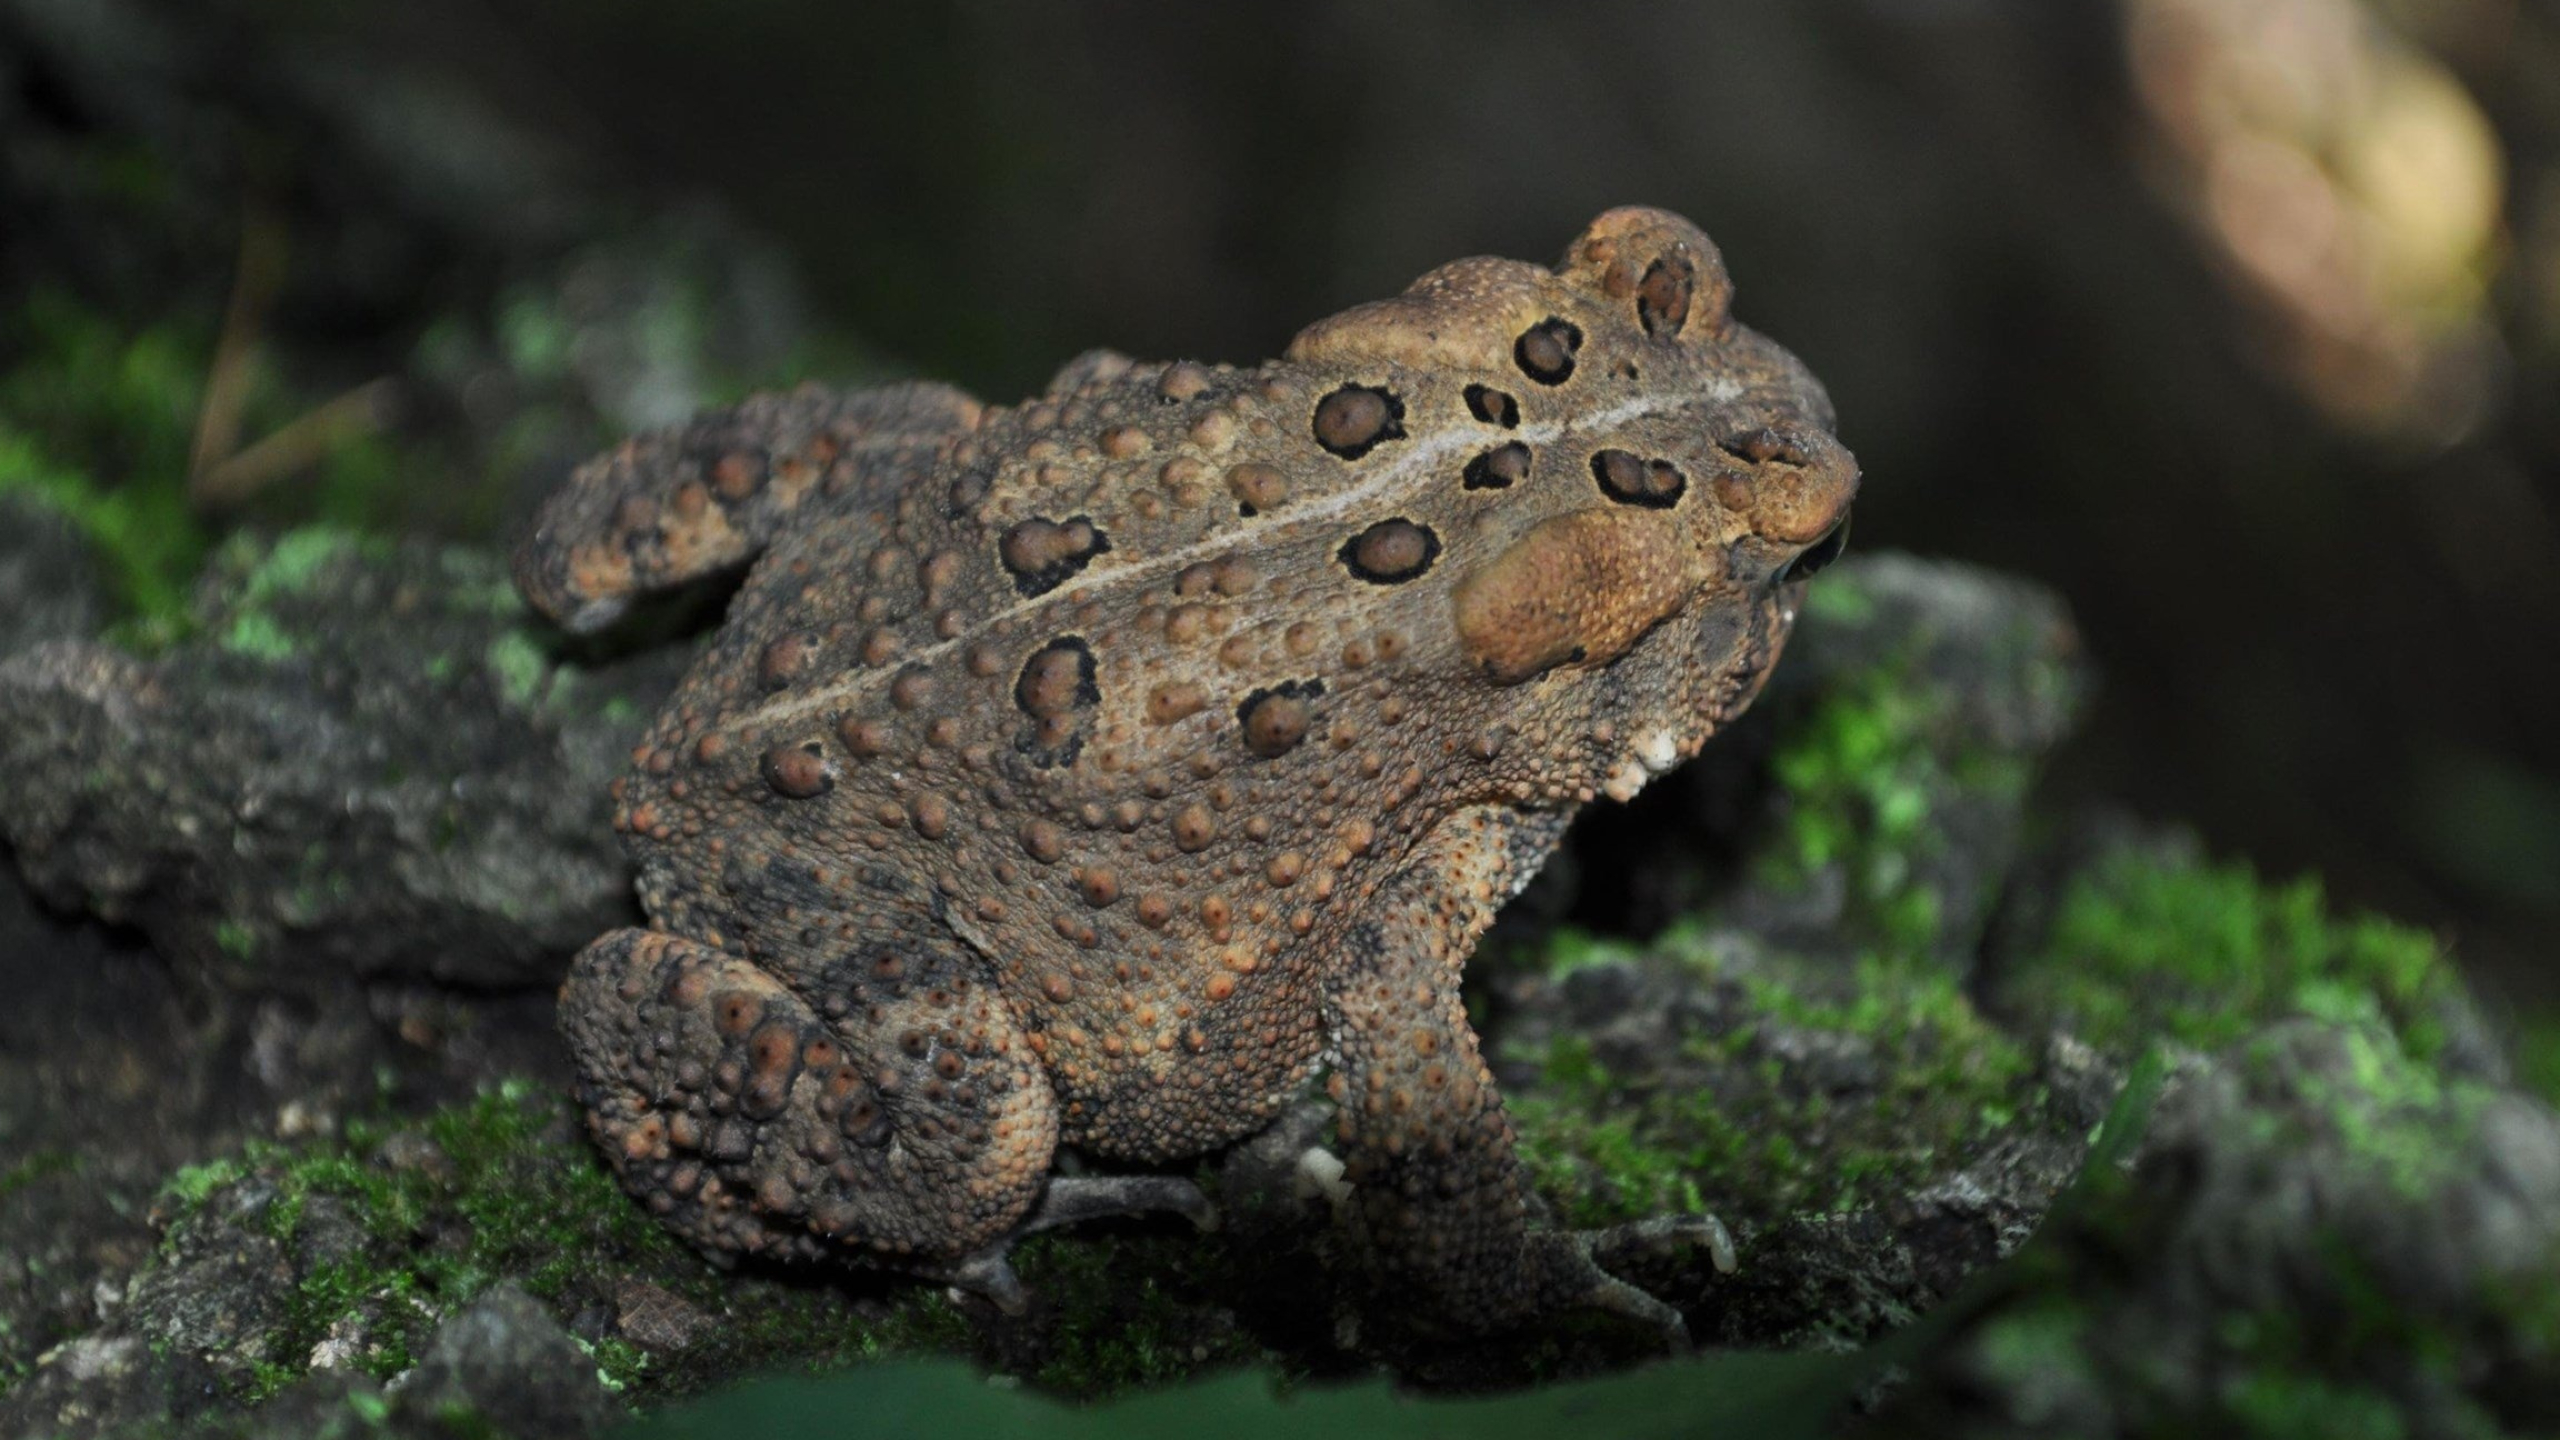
column 504, row 1359
column 2371, row 1244
column 48, row 587
column 363, row 764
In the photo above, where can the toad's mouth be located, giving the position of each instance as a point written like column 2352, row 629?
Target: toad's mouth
column 1740, row 656
column 1747, row 658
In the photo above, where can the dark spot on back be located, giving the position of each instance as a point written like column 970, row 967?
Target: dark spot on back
column 1629, row 480
column 1492, row 406
column 1499, row 468
column 1057, row 678
column 1356, row 419
column 1391, row 551
column 1276, row 719
column 1056, row 690
column 1545, row 350
column 1044, row 554
column 798, row 772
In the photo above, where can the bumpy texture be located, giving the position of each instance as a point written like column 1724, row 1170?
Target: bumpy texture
column 1094, row 771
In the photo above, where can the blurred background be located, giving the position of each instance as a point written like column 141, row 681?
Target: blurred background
column 2236, row 321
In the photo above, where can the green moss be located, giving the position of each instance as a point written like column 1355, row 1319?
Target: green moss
column 522, row 670
column 2537, row 1048
column 534, row 336
column 2397, row 1118
column 1598, row 1168
column 256, row 572
column 2043, row 1345
column 2206, row 954
column 236, row 939
column 2280, row 1406
column 2343, row 1349
column 36, row 1166
column 288, row 564
column 514, row 1192
column 1759, row 1142
column 505, row 1201
column 1120, row 1321
column 96, row 421
column 801, row 1329
column 190, row 1186
column 478, row 584
column 114, row 401
column 1863, row 778
column 1568, row 948
column 1836, row 603
column 256, row 634
column 2051, row 1349
column 144, row 534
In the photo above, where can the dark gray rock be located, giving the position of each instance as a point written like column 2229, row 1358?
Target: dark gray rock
column 107, row 1383
column 2000, row 650
column 106, row 1087
column 114, row 1074
column 325, row 1405
column 504, row 1364
column 1917, row 702
column 365, row 764
column 48, row 583
column 1726, row 1062
column 182, row 1337
column 2321, row 1231
column 2314, row 1137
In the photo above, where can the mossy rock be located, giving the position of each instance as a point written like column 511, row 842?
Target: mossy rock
column 2149, row 941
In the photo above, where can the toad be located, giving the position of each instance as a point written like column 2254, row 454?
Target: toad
column 1101, row 770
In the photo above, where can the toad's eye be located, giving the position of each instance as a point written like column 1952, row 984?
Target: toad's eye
column 1816, row 555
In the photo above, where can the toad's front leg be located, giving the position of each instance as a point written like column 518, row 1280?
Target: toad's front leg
column 1438, row 1194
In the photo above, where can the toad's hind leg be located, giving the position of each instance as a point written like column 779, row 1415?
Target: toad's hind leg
column 684, row 501
column 911, row 1125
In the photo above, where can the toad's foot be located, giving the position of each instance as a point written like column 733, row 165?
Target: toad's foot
column 1589, row 1258
column 1069, row 1199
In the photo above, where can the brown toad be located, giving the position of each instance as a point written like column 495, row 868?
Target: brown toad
column 1097, row 771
